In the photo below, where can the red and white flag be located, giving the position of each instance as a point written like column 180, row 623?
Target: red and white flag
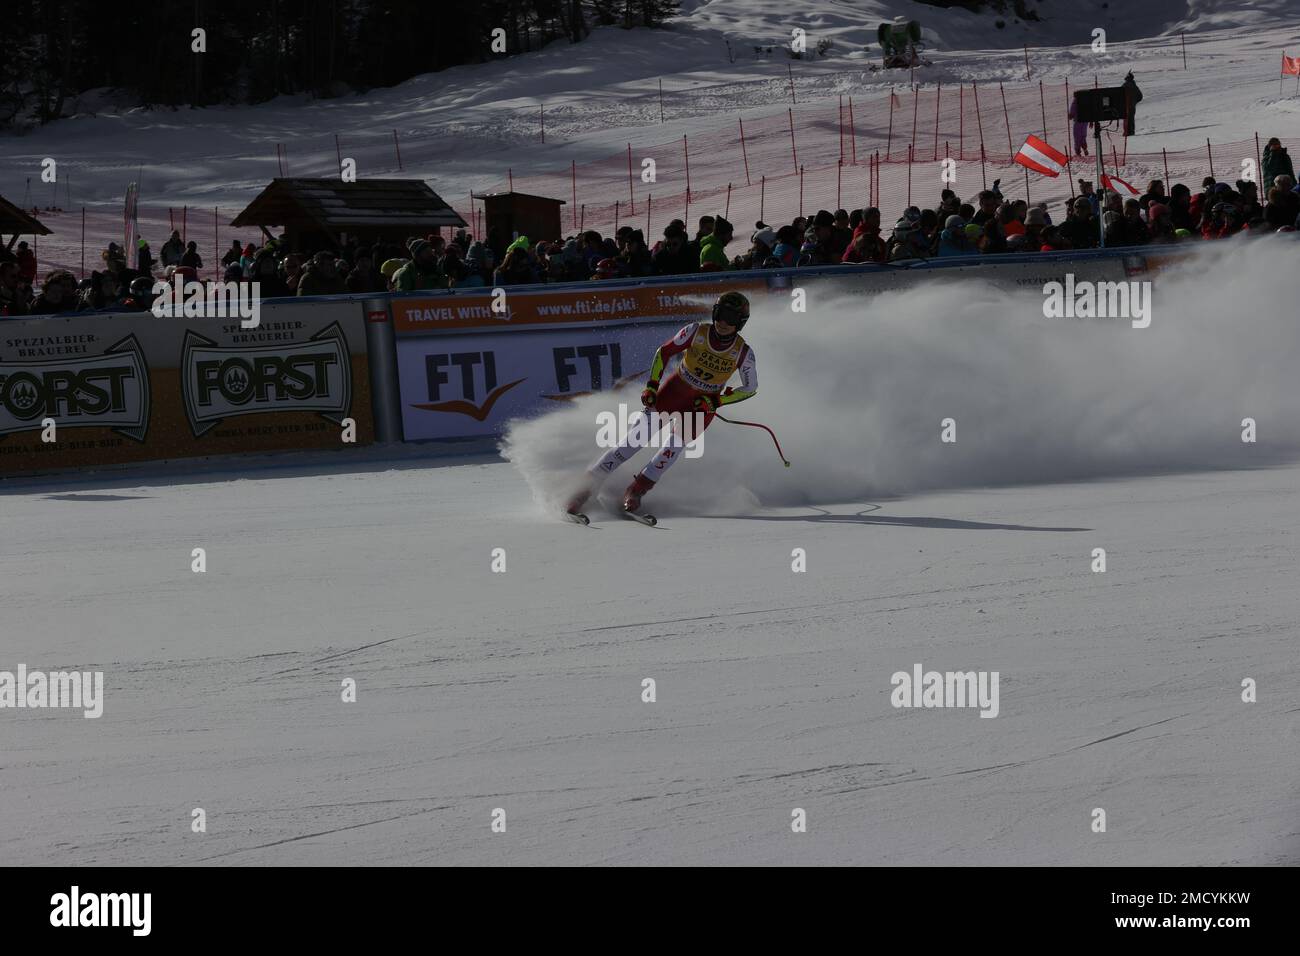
column 1117, row 185
column 1290, row 65
column 1041, row 157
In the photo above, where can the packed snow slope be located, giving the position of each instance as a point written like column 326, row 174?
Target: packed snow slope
column 463, row 128
column 522, row 690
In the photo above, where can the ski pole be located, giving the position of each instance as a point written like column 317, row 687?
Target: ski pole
column 758, row 425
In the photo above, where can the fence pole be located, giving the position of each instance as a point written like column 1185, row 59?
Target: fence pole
column 582, row 222
column 338, row 151
column 1042, row 105
column 279, row 159
column 1027, row 186
column 853, row 134
column 839, row 175
column 727, row 212
column 978, row 119
column 916, row 105
column 542, row 112
column 909, row 174
column 686, row 152
column 983, row 175
column 510, row 174
column 890, row 139
column 1026, row 61
column 661, row 99
column 573, row 175
column 83, row 241
column 616, row 215
column 762, row 195
column 744, row 154
column 398, row 150
column 216, row 242
column 1114, row 159
column 1210, row 154
column 790, row 71
column 801, row 191
column 1184, row 40
column 793, row 152
column 631, row 201
column 648, row 200
column 938, row 93
column 1006, row 118
column 185, row 216
column 1259, row 168
column 1165, row 157
column 840, row 122
column 961, row 119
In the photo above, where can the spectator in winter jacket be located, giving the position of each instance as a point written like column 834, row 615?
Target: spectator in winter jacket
column 26, row 263
column 1160, row 227
column 988, row 206
column 762, row 242
column 114, row 259
column 634, row 261
column 786, row 251
column 1087, row 191
column 713, row 247
column 172, row 250
column 191, row 257
column 907, row 241
column 144, row 261
column 104, row 292
column 1029, row 239
column 819, row 246
column 246, row 259
column 866, row 245
column 1283, row 204
column 266, row 274
column 1277, row 162
column 1180, row 215
column 321, row 276
column 232, row 254
column 703, row 232
column 953, row 240
column 1080, row 130
column 841, row 235
column 363, row 278
column 515, row 269
column 673, row 256
column 421, row 272
column 1080, row 228
column 58, row 294
column 14, row 298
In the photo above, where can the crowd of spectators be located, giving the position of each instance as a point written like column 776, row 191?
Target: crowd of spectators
column 990, row 224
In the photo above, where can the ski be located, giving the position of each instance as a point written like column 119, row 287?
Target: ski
column 577, row 517
column 648, row 520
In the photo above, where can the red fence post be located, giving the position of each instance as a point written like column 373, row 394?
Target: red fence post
column 616, row 215
column 542, row 108
column 338, row 151
column 762, row 195
column 1006, row 118
column 744, row 154
column 793, row 152
column 83, row 241
column 1259, row 167
column 1026, row 61
column 916, row 105
column 853, row 135
column 686, row 152
column 1184, row 39
column 938, row 93
column 510, row 175
column 961, row 120
column 397, row 149
column 1165, row 157
column 800, row 190
column 978, row 119
column 983, row 175
column 840, row 122
column 1210, row 154
column 839, row 174
column 1042, row 105
column 909, row 173
column 890, row 139
column 661, row 99
column 727, row 213
column 216, row 242
column 791, row 73
column 631, row 201
column 648, row 200
column 573, row 174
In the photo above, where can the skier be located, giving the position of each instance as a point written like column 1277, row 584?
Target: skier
column 711, row 352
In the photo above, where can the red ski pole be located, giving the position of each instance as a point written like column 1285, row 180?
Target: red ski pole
column 733, row 421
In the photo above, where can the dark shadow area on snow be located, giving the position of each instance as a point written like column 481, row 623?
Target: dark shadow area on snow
column 907, row 521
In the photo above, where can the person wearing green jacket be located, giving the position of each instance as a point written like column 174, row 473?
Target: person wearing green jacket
column 713, row 247
column 421, row 272
column 1277, row 162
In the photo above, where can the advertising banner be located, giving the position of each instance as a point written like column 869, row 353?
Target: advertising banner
column 126, row 387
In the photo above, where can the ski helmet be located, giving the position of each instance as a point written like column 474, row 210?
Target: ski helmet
column 732, row 308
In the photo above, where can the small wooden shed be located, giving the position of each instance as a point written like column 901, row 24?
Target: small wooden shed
column 520, row 214
column 325, row 213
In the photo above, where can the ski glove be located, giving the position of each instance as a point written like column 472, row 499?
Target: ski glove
column 650, row 394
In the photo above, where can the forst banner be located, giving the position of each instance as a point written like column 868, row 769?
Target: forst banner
column 464, row 370
column 128, row 387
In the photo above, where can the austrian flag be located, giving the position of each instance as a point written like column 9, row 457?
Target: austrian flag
column 1041, row 158
column 1117, row 185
